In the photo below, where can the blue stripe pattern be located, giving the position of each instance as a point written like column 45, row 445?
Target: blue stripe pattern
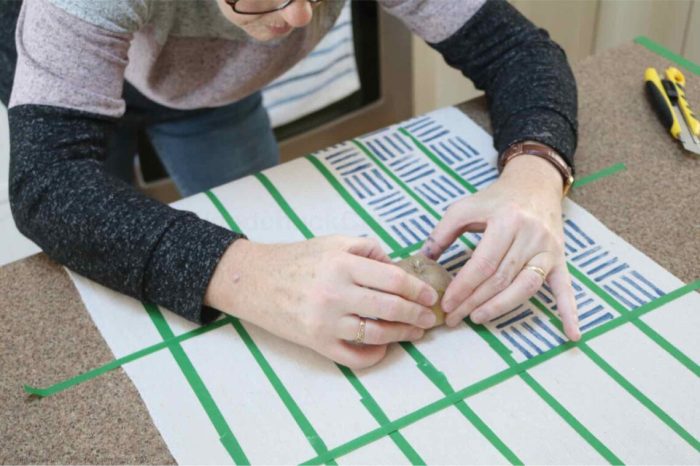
column 304, row 88
column 525, row 329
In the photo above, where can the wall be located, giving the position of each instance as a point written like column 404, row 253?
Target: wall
column 582, row 27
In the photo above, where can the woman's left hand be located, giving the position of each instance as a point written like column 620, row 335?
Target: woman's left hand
column 521, row 217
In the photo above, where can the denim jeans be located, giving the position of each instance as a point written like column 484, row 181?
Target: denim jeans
column 200, row 149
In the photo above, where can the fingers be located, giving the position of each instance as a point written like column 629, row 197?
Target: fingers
column 377, row 332
column 485, row 265
column 456, row 220
column 525, row 285
column 507, row 270
column 355, row 356
column 391, row 279
column 367, row 247
column 392, row 308
column 560, row 281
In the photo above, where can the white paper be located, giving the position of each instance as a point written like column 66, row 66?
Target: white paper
column 522, row 419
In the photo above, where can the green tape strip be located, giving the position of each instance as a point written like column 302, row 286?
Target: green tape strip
column 284, row 205
column 373, row 407
column 666, row 345
column 302, row 421
column 91, row 374
column 547, row 397
column 224, row 213
column 403, row 185
column 367, row 400
column 491, row 339
column 641, row 397
column 440, row 381
column 497, row 378
column 438, row 161
column 570, row 419
column 667, row 54
column 407, row 251
column 663, row 343
column 198, row 387
column 347, row 197
column 605, row 172
column 299, row 417
column 626, row 384
column 596, row 289
column 600, row 292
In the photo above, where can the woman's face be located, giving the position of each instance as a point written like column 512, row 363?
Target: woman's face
column 273, row 25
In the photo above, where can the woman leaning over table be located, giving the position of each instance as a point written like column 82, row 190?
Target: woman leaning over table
column 88, row 74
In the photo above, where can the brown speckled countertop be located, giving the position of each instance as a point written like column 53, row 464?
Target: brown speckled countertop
column 46, row 335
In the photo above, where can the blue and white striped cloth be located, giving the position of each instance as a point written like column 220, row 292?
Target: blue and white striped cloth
column 326, row 75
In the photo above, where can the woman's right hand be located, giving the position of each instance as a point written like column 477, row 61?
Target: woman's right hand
column 314, row 292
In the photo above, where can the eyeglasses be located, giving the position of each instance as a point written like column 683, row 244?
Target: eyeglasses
column 260, row 7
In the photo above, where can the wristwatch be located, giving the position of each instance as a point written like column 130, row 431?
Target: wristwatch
column 542, row 151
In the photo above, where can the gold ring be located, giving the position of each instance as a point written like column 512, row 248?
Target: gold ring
column 360, row 337
column 538, row 270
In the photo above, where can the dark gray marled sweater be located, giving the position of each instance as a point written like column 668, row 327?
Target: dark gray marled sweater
column 83, row 218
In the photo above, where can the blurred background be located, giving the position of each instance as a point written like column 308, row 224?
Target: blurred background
column 370, row 72
column 582, row 28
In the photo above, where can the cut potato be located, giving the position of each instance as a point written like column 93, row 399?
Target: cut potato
column 433, row 274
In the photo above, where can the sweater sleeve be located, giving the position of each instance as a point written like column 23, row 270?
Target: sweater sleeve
column 528, row 83
column 61, row 115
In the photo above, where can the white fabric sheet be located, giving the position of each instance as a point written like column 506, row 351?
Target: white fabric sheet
column 570, row 409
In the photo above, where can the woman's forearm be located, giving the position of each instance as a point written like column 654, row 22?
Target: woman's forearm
column 528, row 82
column 102, row 228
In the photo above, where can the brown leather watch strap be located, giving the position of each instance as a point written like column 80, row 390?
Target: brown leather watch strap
column 539, row 150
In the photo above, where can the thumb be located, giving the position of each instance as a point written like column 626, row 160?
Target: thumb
column 461, row 216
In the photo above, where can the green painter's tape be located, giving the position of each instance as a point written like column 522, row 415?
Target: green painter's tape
column 217, row 419
column 284, row 205
column 299, row 417
column 367, row 400
column 302, row 421
column 667, row 54
column 666, row 345
column 437, row 161
column 347, row 197
column 641, row 397
column 403, row 186
column 662, row 342
column 78, row 379
column 547, row 397
column 373, row 407
column 577, row 426
column 224, row 213
column 497, row 378
column 604, row 173
column 626, row 384
column 440, row 381
column 491, row 339
column 407, row 251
